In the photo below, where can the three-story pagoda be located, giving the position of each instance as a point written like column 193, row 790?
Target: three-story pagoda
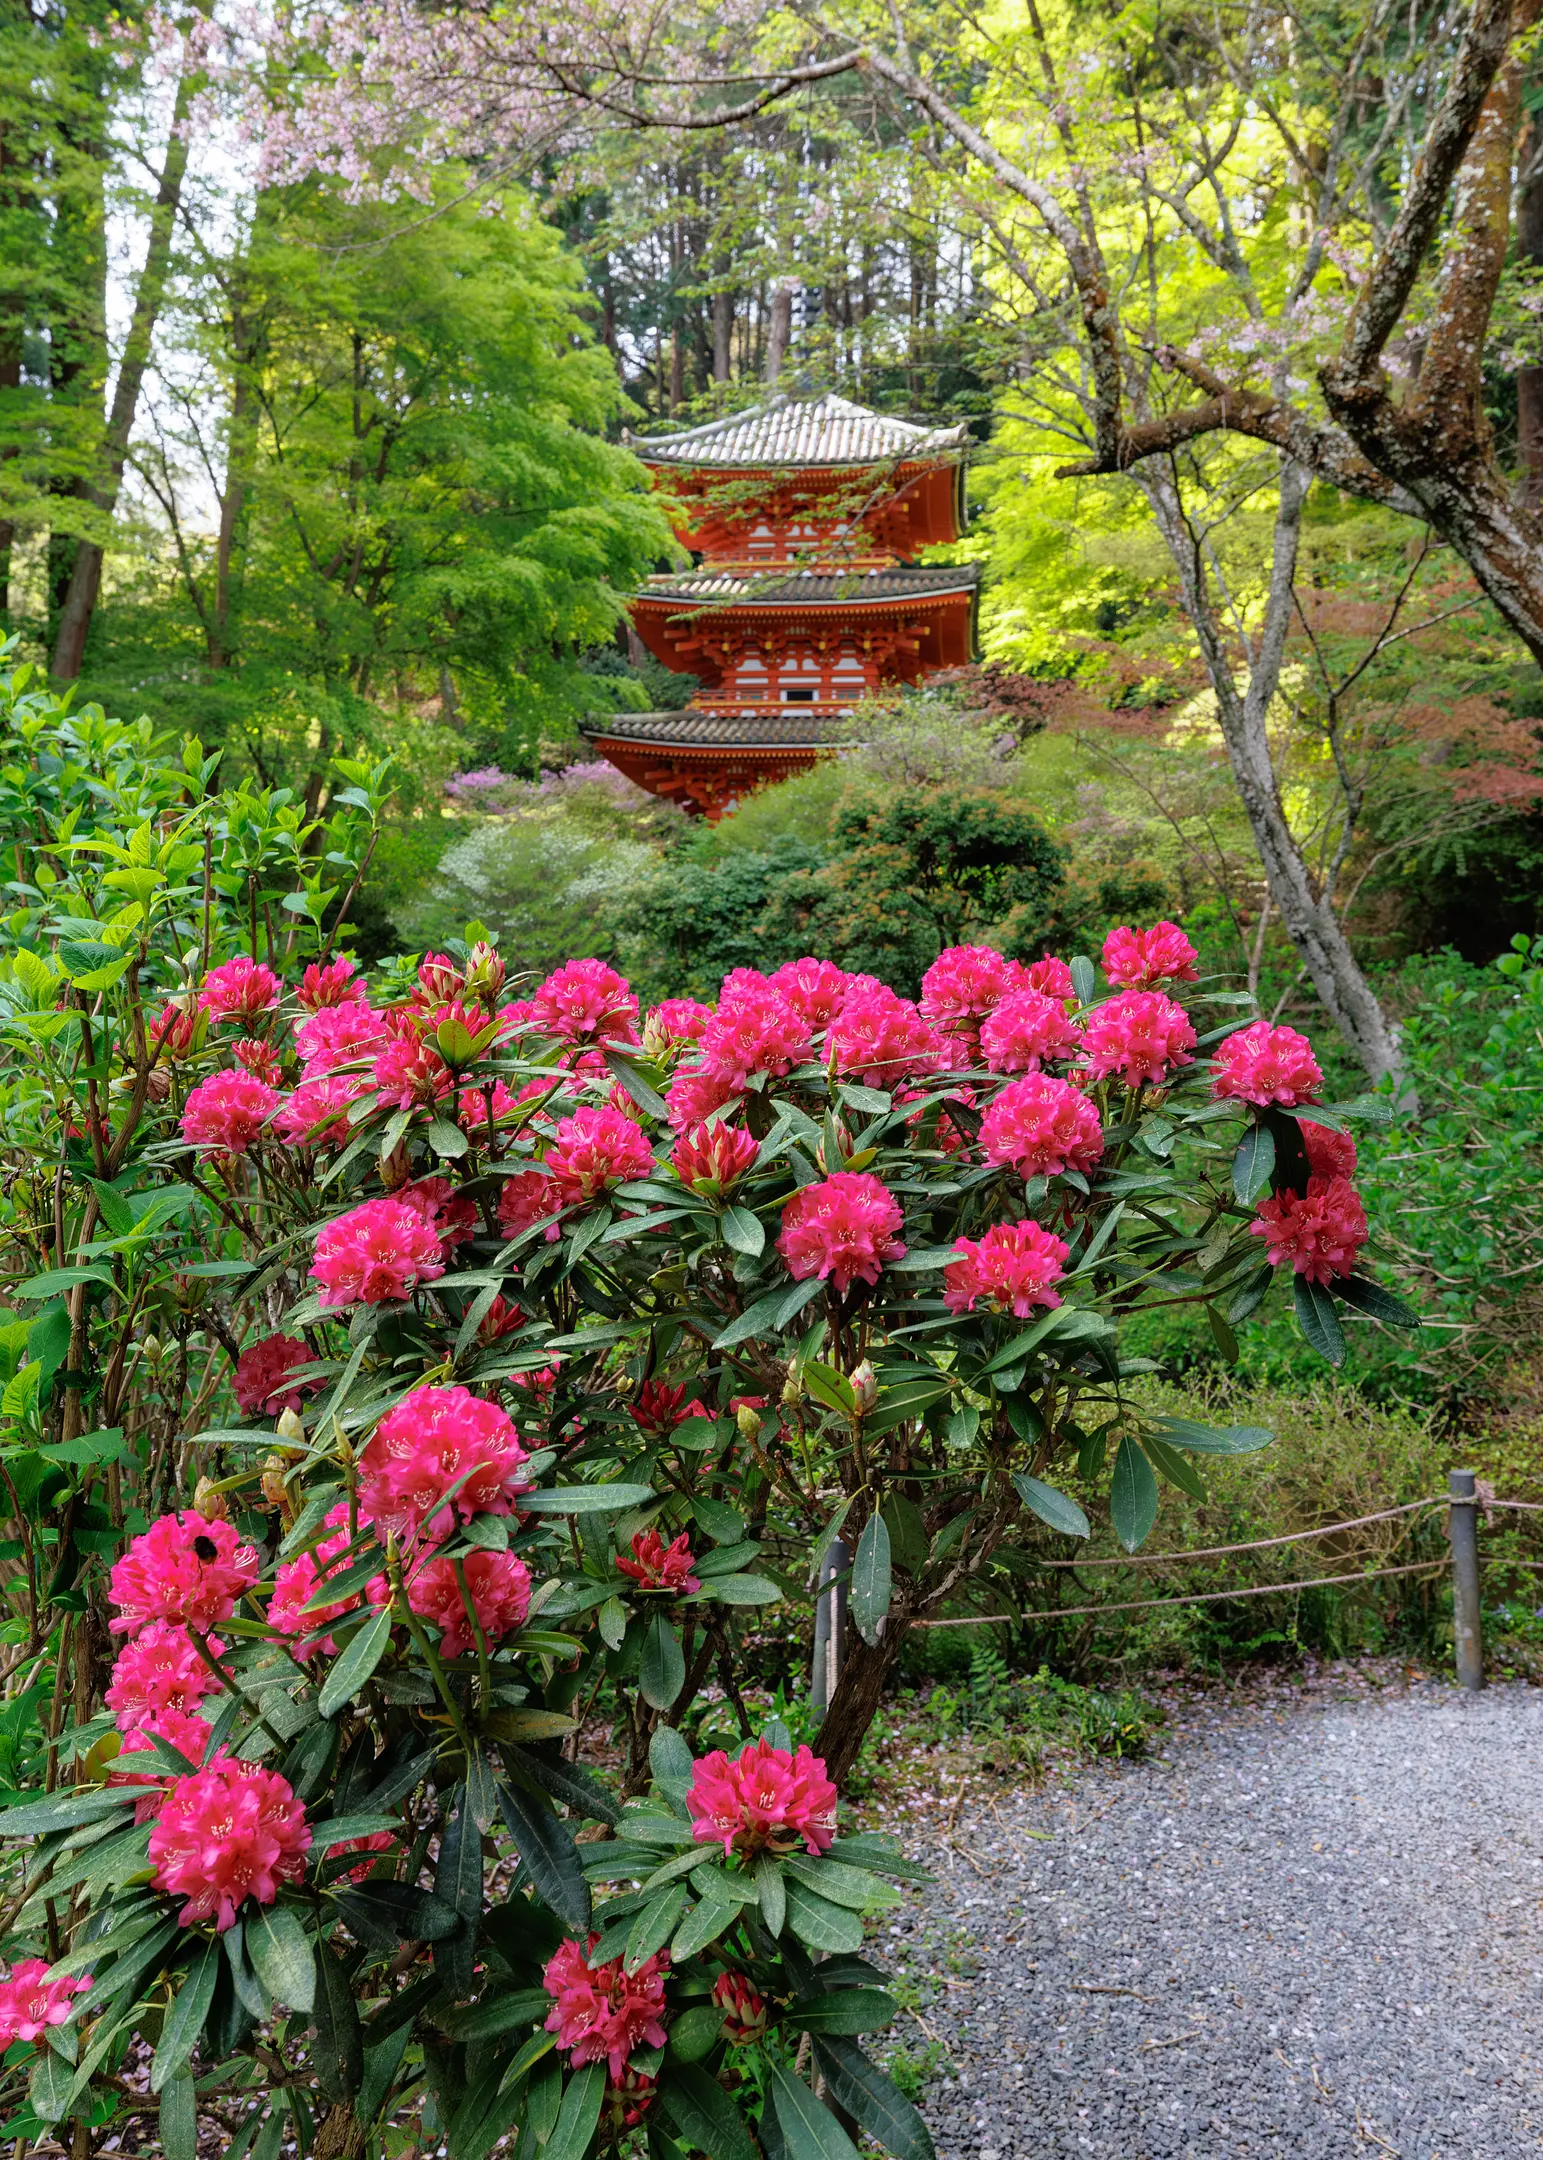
column 805, row 518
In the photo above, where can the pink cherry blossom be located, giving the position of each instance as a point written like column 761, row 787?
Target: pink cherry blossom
column 1320, row 1232
column 1140, row 959
column 239, row 990
column 227, row 1112
column 377, row 1254
column 1012, row 1267
column 657, row 1566
column 763, row 1799
column 1140, row 1036
column 1039, row 1126
column 601, row 2015
column 230, row 1832
column 715, row 1155
column 842, row 1230
column 431, row 1440
column 184, row 1568
column 1263, row 1064
column 30, row 2001
column 262, row 1386
column 1025, row 1031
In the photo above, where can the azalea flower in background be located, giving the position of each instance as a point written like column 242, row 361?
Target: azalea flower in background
column 377, row 1254
column 261, row 1382
column 657, row 1566
column 843, row 1229
column 1040, row 1126
column 1012, row 1267
column 1140, row 1037
column 431, row 1441
column 30, row 2002
column 1140, row 959
column 1320, row 1232
column 183, row 1568
column 227, row 1112
column 1263, row 1064
column 230, row 1832
column 239, row 990
column 763, row 1799
column 601, row 2014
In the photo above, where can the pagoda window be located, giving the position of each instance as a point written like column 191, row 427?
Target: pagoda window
column 798, row 697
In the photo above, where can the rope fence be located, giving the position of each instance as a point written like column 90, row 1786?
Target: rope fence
column 1463, row 1500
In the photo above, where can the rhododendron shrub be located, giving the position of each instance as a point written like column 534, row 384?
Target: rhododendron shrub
column 412, row 1442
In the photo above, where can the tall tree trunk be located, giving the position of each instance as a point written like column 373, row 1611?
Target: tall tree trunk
column 723, row 334
column 780, row 328
column 864, row 1670
column 1529, row 380
column 85, row 583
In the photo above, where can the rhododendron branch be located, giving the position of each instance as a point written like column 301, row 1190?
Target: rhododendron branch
column 425, row 1648
column 228, row 1681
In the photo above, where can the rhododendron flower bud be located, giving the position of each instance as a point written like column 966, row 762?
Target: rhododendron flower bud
column 30, row 2001
column 660, row 1408
column 657, row 1566
column 601, row 2015
column 745, row 2015
column 210, row 1502
column 239, row 990
column 432, row 1439
column 628, row 2099
column 1011, row 1267
column 260, row 1059
column 881, row 1039
column 816, row 989
column 1140, row 1036
column 1039, row 1126
column 298, row 1582
column 173, row 1031
column 439, row 979
column 376, row 1255
column 230, row 1832
column 485, row 972
column 500, row 1319
column 1140, row 959
column 748, row 1420
column 754, row 1030
column 227, row 1112
column 339, row 1035
column 694, row 1094
column 596, row 1148
column 1320, row 1231
column 673, row 1023
column 498, row 1585
column 585, row 1001
column 331, row 982
column 842, row 1230
column 864, row 1383
column 182, row 1568
column 763, row 1799
column 317, row 1111
column 262, row 1385
column 1329, row 1153
column 715, row 1156
column 1263, row 1064
column 1026, row 1030
column 411, row 1073
column 160, row 1669
column 291, row 1427
column 964, row 984
column 835, row 1157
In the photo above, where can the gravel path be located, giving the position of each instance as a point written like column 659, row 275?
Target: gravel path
column 1312, row 1929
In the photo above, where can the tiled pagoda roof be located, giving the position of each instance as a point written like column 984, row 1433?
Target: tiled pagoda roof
column 792, row 728
column 779, row 588
column 802, row 431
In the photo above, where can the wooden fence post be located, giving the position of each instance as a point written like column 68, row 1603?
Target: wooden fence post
column 1467, row 1604
column 830, row 1623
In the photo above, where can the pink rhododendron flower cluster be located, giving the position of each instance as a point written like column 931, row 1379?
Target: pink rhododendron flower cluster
column 498, row 1585
column 657, row 1566
column 297, row 1582
column 339, row 1035
column 30, row 2001
column 262, row 1385
column 173, row 1031
column 754, row 1030
column 842, row 1230
column 745, row 2014
column 1039, row 1126
column 1140, row 959
column 472, row 1109
column 227, row 1112
column 762, row 1799
column 239, row 990
column 160, row 1669
column 183, row 1568
column 816, row 989
column 1012, row 1267
column 1052, row 977
column 694, row 1094
column 183, row 1730
column 602, row 2015
column 881, row 1039
column 675, row 1021
column 330, row 982
column 377, row 1254
column 450, row 1214
column 369, row 1848
column 585, row 1001
column 1025, row 1031
column 660, row 1408
column 1319, row 1232
column 965, row 984
column 715, row 1155
column 316, row 1113
column 524, row 1198
column 230, row 1832
column 1263, row 1064
column 409, row 1072
column 595, row 1148
column 1140, row 1037
column 431, row 1440
column 1329, row 1153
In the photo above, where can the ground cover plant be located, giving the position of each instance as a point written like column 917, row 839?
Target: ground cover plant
column 402, row 1368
